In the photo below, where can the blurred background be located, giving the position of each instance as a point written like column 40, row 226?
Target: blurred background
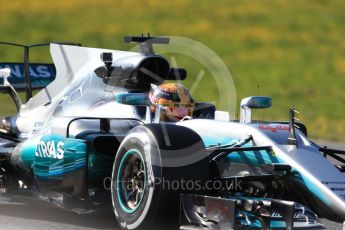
column 294, row 50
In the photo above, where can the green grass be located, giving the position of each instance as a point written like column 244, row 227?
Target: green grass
column 295, row 50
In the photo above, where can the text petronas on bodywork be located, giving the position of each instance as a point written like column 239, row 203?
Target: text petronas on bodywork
column 50, row 149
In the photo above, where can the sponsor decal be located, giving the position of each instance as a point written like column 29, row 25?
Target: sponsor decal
column 40, row 74
column 274, row 128
column 35, row 70
column 37, row 127
column 50, row 149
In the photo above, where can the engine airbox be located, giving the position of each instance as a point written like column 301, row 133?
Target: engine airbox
column 136, row 72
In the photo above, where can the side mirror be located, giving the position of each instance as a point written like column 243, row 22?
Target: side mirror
column 133, row 99
column 138, row 99
column 254, row 102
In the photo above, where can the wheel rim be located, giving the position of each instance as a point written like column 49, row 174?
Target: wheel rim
column 131, row 181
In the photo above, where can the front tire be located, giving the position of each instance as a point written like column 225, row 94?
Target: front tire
column 141, row 172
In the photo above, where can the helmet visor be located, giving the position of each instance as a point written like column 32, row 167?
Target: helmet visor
column 178, row 112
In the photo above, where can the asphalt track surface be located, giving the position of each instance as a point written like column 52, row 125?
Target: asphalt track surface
column 26, row 213
column 32, row 214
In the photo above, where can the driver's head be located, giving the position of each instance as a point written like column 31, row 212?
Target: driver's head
column 174, row 99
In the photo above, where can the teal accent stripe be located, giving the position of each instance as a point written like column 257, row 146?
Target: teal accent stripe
column 119, row 186
column 72, row 158
column 61, row 172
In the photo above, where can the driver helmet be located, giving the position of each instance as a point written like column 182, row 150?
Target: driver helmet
column 174, row 99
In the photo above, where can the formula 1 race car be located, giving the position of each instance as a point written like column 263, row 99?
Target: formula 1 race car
column 89, row 139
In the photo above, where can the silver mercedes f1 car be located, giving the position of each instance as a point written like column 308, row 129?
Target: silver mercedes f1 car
column 88, row 139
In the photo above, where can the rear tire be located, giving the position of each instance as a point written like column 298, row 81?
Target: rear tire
column 144, row 165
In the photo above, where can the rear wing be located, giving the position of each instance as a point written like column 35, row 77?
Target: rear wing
column 41, row 74
column 26, row 76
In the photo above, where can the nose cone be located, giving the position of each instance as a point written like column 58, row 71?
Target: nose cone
column 323, row 182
